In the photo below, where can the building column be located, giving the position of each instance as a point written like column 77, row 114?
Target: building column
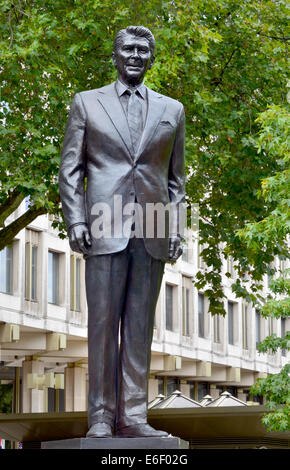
column 213, row 391
column 75, row 388
column 32, row 399
column 185, row 388
column 152, row 388
column 241, row 395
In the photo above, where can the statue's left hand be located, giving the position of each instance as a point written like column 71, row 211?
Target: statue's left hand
column 175, row 248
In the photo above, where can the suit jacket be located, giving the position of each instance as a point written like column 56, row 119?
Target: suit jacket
column 97, row 146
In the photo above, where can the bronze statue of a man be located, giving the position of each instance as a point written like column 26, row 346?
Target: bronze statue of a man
column 122, row 139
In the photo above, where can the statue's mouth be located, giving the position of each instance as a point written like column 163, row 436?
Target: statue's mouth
column 136, row 66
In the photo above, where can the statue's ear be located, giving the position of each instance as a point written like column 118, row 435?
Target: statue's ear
column 114, row 59
column 151, row 61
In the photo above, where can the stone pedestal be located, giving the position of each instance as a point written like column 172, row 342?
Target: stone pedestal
column 117, row 443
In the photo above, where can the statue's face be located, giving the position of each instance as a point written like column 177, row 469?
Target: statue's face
column 132, row 59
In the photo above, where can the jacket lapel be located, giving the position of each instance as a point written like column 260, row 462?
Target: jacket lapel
column 109, row 100
column 156, row 108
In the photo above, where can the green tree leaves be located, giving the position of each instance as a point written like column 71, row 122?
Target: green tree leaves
column 276, row 388
column 271, row 235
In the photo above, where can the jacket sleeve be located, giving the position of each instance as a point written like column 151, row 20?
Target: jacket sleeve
column 73, row 166
column 176, row 177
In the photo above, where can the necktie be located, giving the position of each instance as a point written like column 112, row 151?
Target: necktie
column 135, row 118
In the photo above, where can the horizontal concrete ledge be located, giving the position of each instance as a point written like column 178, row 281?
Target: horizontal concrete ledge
column 118, row 443
column 186, row 423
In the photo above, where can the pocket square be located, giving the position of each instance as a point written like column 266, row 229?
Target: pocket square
column 166, row 123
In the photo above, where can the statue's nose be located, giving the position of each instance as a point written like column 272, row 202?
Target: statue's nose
column 135, row 53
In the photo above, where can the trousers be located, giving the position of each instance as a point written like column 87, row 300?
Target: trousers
column 122, row 291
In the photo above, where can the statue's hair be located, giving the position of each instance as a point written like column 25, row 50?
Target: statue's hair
column 139, row 31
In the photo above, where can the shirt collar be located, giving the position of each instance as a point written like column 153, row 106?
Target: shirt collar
column 121, row 88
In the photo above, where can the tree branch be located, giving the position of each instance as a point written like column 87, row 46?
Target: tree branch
column 227, row 63
column 276, row 38
column 218, row 80
column 11, row 30
column 8, row 233
column 10, row 205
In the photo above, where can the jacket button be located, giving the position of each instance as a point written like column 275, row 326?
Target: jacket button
column 132, row 193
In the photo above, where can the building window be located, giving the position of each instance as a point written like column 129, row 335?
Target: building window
column 247, row 393
column 160, row 385
column 172, row 384
column 53, row 277
column 283, row 333
column 203, row 389
column 30, row 271
column 258, row 327
column 6, row 273
column 187, row 305
column 75, row 269
column 230, row 322
column 201, row 315
column 245, row 326
column 233, row 391
column 169, row 307
column 216, row 329
column 191, row 389
column 258, row 399
column 185, row 310
column 220, row 389
column 55, row 400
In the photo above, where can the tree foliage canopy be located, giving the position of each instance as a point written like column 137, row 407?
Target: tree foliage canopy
column 265, row 235
column 225, row 60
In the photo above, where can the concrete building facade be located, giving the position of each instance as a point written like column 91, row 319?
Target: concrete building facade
column 43, row 328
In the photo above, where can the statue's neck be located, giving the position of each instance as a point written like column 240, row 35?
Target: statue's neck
column 132, row 84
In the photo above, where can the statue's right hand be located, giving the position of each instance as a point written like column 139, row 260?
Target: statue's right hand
column 79, row 238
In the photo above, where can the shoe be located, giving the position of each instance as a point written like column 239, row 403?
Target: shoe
column 140, row 430
column 99, row 430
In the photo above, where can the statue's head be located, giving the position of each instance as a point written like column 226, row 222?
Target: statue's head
column 133, row 53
